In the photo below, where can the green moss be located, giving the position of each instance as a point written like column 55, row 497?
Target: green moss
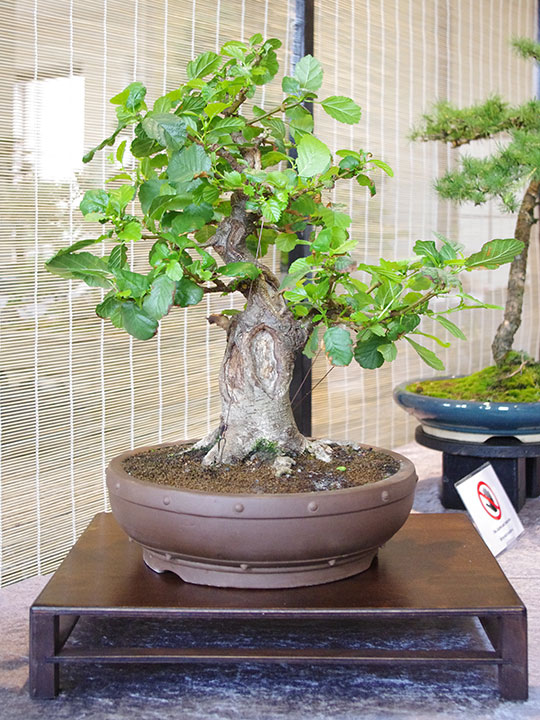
column 265, row 447
column 516, row 380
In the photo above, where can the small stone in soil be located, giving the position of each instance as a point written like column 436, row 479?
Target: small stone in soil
column 173, row 466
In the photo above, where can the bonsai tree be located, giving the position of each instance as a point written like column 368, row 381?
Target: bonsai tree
column 510, row 175
column 216, row 187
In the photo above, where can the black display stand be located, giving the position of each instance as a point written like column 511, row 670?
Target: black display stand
column 517, row 465
column 436, row 566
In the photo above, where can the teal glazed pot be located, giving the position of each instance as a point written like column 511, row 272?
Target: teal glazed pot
column 447, row 417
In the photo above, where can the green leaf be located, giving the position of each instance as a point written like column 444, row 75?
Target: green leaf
column 297, row 270
column 132, row 231
column 313, row 156
column 323, row 240
column 118, row 257
column 388, row 351
column 256, row 39
column 428, row 356
column 143, row 147
column 273, row 158
column 318, row 289
column 213, row 109
column 110, row 307
column 94, row 201
column 187, row 163
column 234, row 49
column 120, row 150
column 402, row 325
column 439, row 342
column 187, row 293
column 352, row 153
column 232, row 179
column 309, row 74
column 272, row 209
column 203, row 65
column 383, row 166
column 285, row 242
column 169, row 130
column 121, row 196
column 132, row 282
column 240, row 270
column 194, row 217
column 428, row 249
column 224, row 126
column 312, row 345
column 267, row 68
column 338, row 345
column 158, row 253
column 451, row 327
column 300, row 119
column 160, row 298
column 80, row 244
column 137, row 322
column 290, row 85
column 80, row 266
column 366, row 181
column 494, row 253
column 131, row 97
column 296, row 295
column 205, row 233
column 333, row 217
column 277, row 127
column 367, row 353
column 174, row 270
column 343, row 109
column 148, row 191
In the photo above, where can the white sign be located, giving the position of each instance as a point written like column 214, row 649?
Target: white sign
column 490, row 508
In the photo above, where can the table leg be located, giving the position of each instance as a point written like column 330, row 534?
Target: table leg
column 44, row 676
column 513, row 673
column 533, row 477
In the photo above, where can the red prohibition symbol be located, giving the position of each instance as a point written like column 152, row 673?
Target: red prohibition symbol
column 489, row 501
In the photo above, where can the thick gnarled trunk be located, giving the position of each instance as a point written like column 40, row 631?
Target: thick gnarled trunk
column 254, row 380
column 262, row 342
column 504, row 337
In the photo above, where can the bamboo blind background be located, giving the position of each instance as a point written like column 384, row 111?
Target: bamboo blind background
column 396, row 57
column 73, row 392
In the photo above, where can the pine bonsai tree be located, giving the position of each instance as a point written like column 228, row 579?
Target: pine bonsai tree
column 510, row 175
column 216, row 187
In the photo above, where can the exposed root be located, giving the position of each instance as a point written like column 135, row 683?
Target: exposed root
column 208, row 441
column 215, row 455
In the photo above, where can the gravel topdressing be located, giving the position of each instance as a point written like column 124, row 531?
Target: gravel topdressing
column 174, row 467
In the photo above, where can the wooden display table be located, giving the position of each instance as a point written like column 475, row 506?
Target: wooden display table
column 436, row 566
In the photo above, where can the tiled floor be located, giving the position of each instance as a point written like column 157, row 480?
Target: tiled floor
column 220, row 692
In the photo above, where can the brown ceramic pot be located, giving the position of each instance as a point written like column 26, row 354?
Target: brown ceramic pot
column 261, row 541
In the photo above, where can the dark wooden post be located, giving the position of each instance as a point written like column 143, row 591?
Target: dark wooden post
column 302, row 44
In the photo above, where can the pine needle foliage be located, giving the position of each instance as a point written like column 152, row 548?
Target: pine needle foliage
column 510, row 174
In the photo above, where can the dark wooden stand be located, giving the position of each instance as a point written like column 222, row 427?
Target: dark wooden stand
column 517, row 465
column 436, row 566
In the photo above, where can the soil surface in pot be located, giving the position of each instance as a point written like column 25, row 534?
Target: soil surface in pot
column 517, row 380
column 176, row 467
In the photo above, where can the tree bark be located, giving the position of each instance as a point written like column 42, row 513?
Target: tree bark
column 256, row 371
column 504, row 337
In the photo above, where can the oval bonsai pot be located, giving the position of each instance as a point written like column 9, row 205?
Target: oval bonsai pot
column 457, row 419
column 260, row 540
